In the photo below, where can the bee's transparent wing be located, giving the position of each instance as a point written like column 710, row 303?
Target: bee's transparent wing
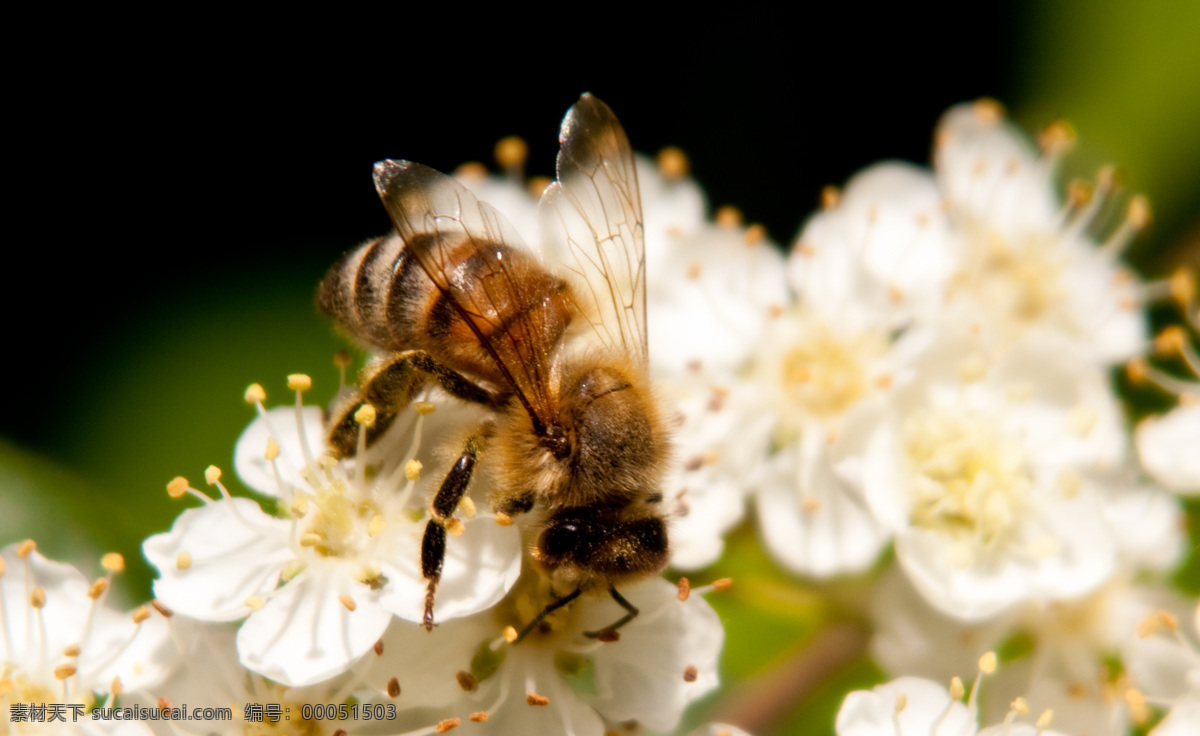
column 591, row 218
column 482, row 267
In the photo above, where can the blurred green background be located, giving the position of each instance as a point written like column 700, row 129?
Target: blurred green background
column 173, row 232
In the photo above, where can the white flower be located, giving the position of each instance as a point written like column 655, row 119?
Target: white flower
column 1077, row 658
column 208, row 675
column 1167, row 445
column 723, row 432
column 62, row 646
column 873, row 260
column 709, row 300
column 1024, row 265
column 320, row 586
column 904, row 707
column 912, row 706
column 979, row 465
column 557, row 680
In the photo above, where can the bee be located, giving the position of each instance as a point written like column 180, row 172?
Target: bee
column 555, row 352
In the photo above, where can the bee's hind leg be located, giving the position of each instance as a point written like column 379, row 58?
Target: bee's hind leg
column 390, row 385
column 441, row 513
column 609, row 633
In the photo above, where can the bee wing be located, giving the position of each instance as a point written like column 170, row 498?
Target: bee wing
column 592, row 218
column 480, row 264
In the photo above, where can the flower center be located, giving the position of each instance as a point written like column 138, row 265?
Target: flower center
column 825, row 374
column 968, row 482
column 337, row 522
column 1021, row 280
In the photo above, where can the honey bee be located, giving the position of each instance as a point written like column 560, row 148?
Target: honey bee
column 557, row 354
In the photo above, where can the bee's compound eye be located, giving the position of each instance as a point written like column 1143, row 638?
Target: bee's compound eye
column 561, row 538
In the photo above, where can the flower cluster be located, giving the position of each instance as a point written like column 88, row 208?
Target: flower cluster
column 927, row 371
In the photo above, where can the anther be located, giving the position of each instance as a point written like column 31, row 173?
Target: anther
column 342, row 359
column 810, row 504
column 479, row 716
column 393, row 688
column 690, row 674
column 1170, row 341
column 37, row 598
column 728, row 217
column 511, row 152
column 255, row 394
column 412, row 470
column 471, row 170
column 808, row 250
column 510, row 634
column 424, row 407
column 163, row 703
column 376, row 525
column 755, row 234
column 1182, row 287
column 365, row 415
column 116, row 687
column 348, row 602
column 212, row 474
column 1138, row 710
column 447, row 724
column 956, row 688
column 1056, row 138
column 685, row 589
column 672, row 163
column 1079, row 192
column 162, row 609
column 503, row 519
column 177, row 487
column 71, row 650
column 455, row 526
column 722, row 583
column 831, row 197
column 1019, row 706
column 63, row 671
column 987, row 663
column 1138, row 213
column 533, row 698
column 694, row 270
column 113, row 562
column 608, row 636
column 141, row 614
column 1045, row 719
column 537, row 186
column 255, row 602
column 299, row 382
column 466, row 681
column 311, row 539
column 97, row 589
column 1136, row 371
column 26, row 548
column 467, row 507
column 988, row 110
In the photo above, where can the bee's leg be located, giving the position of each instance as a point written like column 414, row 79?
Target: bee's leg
column 609, row 631
column 549, row 609
column 390, row 384
column 441, row 511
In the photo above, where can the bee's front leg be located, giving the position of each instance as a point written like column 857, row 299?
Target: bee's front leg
column 441, row 514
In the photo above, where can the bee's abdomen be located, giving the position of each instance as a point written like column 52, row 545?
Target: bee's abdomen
column 377, row 293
